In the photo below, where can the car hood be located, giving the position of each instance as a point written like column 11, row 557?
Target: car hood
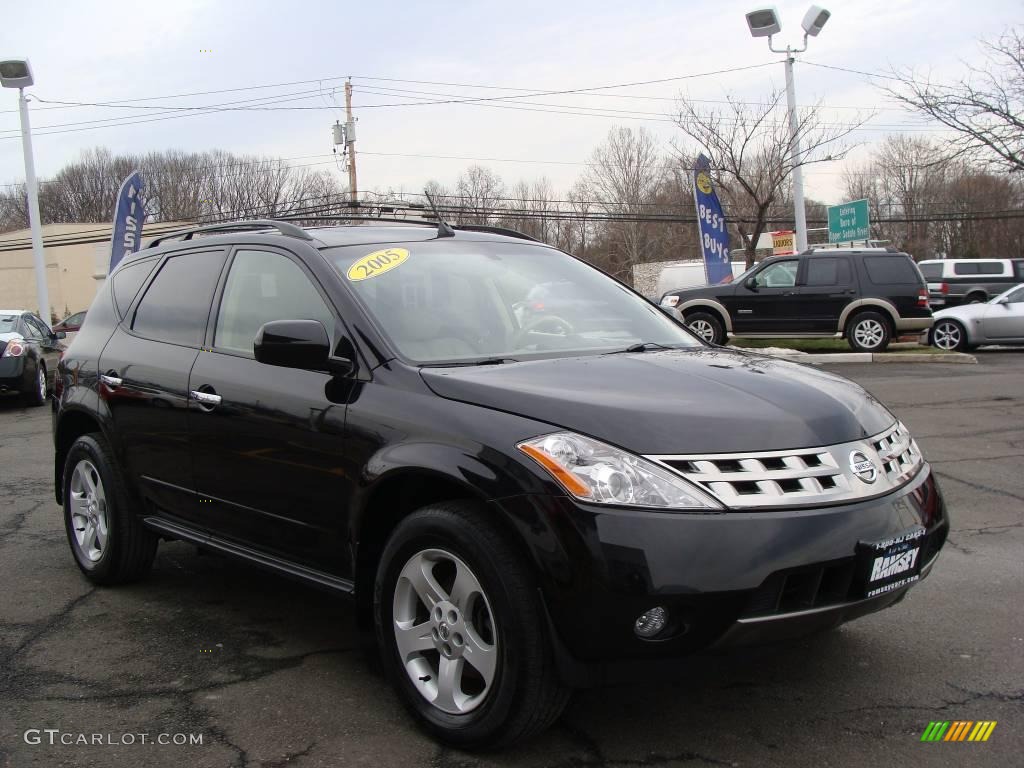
column 675, row 401
column 701, row 291
column 10, row 336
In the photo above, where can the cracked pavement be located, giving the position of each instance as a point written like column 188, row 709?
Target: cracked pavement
column 270, row 674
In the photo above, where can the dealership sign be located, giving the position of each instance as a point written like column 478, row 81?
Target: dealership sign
column 848, row 222
column 128, row 218
column 783, row 243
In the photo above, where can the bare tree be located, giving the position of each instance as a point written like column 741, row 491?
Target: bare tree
column 479, row 190
column 985, row 108
column 750, row 153
column 625, row 174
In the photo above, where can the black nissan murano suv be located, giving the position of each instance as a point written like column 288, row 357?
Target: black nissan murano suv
column 519, row 499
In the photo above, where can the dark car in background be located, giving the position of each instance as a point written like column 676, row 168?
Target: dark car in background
column 29, row 352
column 867, row 296
column 516, row 507
column 952, row 282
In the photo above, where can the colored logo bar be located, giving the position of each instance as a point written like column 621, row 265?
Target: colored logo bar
column 959, row 730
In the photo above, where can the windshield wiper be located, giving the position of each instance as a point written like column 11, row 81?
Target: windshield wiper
column 484, row 361
column 644, row 346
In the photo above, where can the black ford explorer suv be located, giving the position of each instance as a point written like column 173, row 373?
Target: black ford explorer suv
column 867, row 296
column 515, row 500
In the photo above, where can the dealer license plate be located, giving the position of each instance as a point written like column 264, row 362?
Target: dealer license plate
column 891, row 564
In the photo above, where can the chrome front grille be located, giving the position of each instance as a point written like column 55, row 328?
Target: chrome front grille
column 804, row 476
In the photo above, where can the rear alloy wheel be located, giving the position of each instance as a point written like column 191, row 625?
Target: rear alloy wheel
column 106, row 535
column 949, row 335
column 707, row 326
column 868, row 332
column 461, row 629
column 37, row 395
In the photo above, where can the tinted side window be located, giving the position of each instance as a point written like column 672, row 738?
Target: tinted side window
column 891, row 270
column 990, row 268
column 827, row 271
column 41, row 328
column 782, row 274
column 176, row 305
column 127, row 282
column 931, row 271
column 31, row 329
column 263, row 286
column 965, row 268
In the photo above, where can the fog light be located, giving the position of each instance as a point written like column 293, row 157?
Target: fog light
column 651, row 622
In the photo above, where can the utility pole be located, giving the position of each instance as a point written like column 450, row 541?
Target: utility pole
column 38, row 256
column 350, row 143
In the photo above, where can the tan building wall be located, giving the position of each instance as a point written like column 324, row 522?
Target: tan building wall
column 71, row 269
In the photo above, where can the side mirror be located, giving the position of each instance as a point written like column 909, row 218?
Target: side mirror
column 301, row 344
column 750, row 284
column 60, row 335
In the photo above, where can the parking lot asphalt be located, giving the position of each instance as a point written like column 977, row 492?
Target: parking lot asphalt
column 268, row 672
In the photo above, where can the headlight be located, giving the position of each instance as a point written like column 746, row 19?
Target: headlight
column 594, row 471
column 669, row 301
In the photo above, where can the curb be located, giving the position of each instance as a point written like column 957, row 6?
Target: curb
column 955, row 358
column 909, row 357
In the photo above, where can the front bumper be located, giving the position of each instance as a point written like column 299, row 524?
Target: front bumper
column 726, row 579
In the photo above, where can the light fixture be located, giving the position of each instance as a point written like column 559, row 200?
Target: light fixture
column 814, row 20
column 764, row 22
column 651, row 622
column 15, row 73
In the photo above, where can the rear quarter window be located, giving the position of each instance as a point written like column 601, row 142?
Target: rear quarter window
column 892, row 270
column 931, row 271
column 127, row 281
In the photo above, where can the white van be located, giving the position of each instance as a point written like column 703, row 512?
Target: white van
column 689, row 274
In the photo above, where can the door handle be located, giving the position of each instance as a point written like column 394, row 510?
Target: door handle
column 111, row 381
column 205, row 398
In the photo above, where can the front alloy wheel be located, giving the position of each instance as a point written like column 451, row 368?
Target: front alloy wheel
column 949, row 335
column 444, row 630
column 461, row 628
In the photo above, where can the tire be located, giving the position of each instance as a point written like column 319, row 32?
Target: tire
column 949, row 335
column 37, row 395
column 868, row 332
column 106, row 536
column 976, row 298
column 707, row 326
column 503, row 615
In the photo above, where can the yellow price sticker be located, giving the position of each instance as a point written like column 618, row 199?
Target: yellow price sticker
column 376, row 263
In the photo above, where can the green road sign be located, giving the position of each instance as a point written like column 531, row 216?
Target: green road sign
column 848, row 221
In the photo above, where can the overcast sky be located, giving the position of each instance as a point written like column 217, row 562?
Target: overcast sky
column 107, row 51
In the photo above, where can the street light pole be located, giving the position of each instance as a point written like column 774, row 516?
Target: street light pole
column 799, row 211
column 38, row 257
column 764, row 22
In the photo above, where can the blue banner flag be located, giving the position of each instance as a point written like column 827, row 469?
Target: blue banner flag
column 714, row 239
column 128, row 218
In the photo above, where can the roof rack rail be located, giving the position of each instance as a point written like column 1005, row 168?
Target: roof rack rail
column 497, row 231
column 385, row 219
column 421, row 221
column 283, row 227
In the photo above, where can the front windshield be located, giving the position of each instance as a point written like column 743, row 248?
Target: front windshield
column 7, row 323
column 454, row 301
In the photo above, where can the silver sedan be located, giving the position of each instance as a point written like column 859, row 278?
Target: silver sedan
column 998, row 321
